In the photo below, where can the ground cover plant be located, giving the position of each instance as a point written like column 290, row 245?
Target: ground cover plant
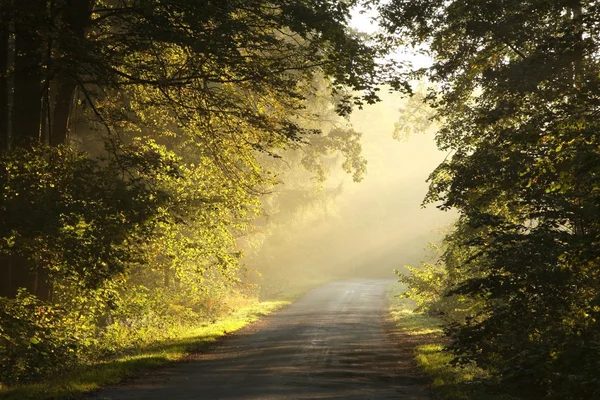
column 129, row 360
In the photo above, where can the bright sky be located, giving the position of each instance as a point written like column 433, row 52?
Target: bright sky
column 367, row 22
column 364, row 22
column 383, row 218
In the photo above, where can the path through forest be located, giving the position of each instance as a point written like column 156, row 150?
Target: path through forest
column 333, row 343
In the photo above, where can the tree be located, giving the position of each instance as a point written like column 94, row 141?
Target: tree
column 518, row 94
column 216, row 82
column 136, row 151
column 306, row 188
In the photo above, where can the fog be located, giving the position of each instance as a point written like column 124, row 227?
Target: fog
column 364, row 229
column 383, row 221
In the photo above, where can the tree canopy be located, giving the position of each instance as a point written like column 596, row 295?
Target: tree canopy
column 137, row 139
column 516, row 85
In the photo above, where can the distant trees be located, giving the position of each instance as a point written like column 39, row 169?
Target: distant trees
column 308, row 185
column 518, row 93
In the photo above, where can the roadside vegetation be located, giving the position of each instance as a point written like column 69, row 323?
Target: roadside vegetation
column 516, row 284
column 155, row 156
column 152, row 154
column 146, row 354
column 448, row 381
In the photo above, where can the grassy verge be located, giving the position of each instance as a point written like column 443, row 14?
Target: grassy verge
column 137, row 361
column 449, row 382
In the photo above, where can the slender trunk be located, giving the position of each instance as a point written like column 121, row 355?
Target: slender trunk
column 6, row 276
column 28, row 22
column 6, row 260
column 46, row 121
column 44, row 124
column 76, row 17
column 4, row 33
column 42, row 288
column 578, row 31
column 59, row 129
column 26, row 112
column 578, row 71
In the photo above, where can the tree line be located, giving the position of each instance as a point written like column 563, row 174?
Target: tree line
column 515, row 85
column 137, row 139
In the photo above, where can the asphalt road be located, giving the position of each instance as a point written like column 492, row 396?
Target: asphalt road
column 333, row 343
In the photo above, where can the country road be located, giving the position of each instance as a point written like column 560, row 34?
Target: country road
column 333, row 343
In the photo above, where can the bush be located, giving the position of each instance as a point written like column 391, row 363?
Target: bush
column 35, row 339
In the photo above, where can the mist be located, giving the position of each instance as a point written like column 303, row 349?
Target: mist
column 361, row 229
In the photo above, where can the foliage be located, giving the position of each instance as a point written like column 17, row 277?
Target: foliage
column 426, row 284
column 127, row 181
column 305, row 193
column 450, row 382
column 35, row 339
column 517, row 90
column 416, row 115
column 74, row 217
column 139, row 359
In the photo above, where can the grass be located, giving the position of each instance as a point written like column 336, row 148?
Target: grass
column 107, row 372
column 449, row 382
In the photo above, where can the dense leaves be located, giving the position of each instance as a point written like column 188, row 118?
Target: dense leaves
column 137, row 141
column 74, row 217
column 518, row 92
column 36, row 340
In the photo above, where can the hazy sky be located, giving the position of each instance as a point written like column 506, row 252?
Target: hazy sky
column 387, row 203
column 367, row 22
column 384, row 225
column 376, row 225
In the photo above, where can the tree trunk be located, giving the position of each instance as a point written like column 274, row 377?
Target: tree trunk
column 76, row 18
column 578, row 31
column 27, row 104
column 44, row 124
column 59, row 130
column 15, row 274
column 576, row 16
column 4, row 29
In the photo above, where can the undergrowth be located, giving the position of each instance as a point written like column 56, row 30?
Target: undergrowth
column 448, row 381
column 133, row 360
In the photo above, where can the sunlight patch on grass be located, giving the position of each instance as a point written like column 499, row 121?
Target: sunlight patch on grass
column 409, row 321
column 415, row 323
column 450, row 382
column 112, row 371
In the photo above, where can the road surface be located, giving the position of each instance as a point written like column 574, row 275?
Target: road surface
column 333, row 343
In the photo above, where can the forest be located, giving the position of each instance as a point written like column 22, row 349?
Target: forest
column 153, row 154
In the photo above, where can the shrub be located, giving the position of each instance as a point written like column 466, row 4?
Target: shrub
column 35, row 339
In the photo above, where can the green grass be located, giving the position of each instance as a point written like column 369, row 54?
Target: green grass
column 92, row 377
column 449, row 382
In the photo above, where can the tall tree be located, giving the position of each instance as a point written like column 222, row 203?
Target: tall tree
column 4, row 37
column 29, row 17
column 518, row 84
column 74, row 18
column 218, row 82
